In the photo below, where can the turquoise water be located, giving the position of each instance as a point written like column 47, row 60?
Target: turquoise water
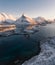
column 17, row 46
column 21, row 47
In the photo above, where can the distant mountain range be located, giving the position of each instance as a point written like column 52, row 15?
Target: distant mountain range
column 6, row 18
column 9, row 19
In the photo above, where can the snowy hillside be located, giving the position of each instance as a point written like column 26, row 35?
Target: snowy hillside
column 25, row 20
column 46, row 56
column 6, row 18
column 40, row 20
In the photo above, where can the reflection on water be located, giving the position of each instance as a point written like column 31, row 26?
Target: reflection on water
column 18, row 46
column 30, row 27
column 4, row 28
column 25, row 45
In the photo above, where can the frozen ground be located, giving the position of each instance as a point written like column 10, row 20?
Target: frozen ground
column 47, row 54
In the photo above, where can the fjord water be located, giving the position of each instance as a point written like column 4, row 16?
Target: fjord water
column 19, row 46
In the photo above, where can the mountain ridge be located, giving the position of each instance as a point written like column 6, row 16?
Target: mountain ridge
column 24, row 19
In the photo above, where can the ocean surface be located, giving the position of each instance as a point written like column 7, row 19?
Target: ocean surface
column 24, row 46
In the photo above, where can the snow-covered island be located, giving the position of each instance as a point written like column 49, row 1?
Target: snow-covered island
column 47, row 54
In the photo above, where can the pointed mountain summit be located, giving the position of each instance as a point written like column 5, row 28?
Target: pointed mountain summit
column 25, row 20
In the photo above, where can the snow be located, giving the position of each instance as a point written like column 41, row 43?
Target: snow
column 25, row 20
column 6, row 18
column 10, row 21
column 46, row 56
column 41, row 20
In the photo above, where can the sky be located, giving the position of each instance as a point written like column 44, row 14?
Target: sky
column 33, row 8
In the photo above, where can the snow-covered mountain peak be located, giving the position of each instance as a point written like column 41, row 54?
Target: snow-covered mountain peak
column 40, row 19
column 26, row 19
column 4, row 17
